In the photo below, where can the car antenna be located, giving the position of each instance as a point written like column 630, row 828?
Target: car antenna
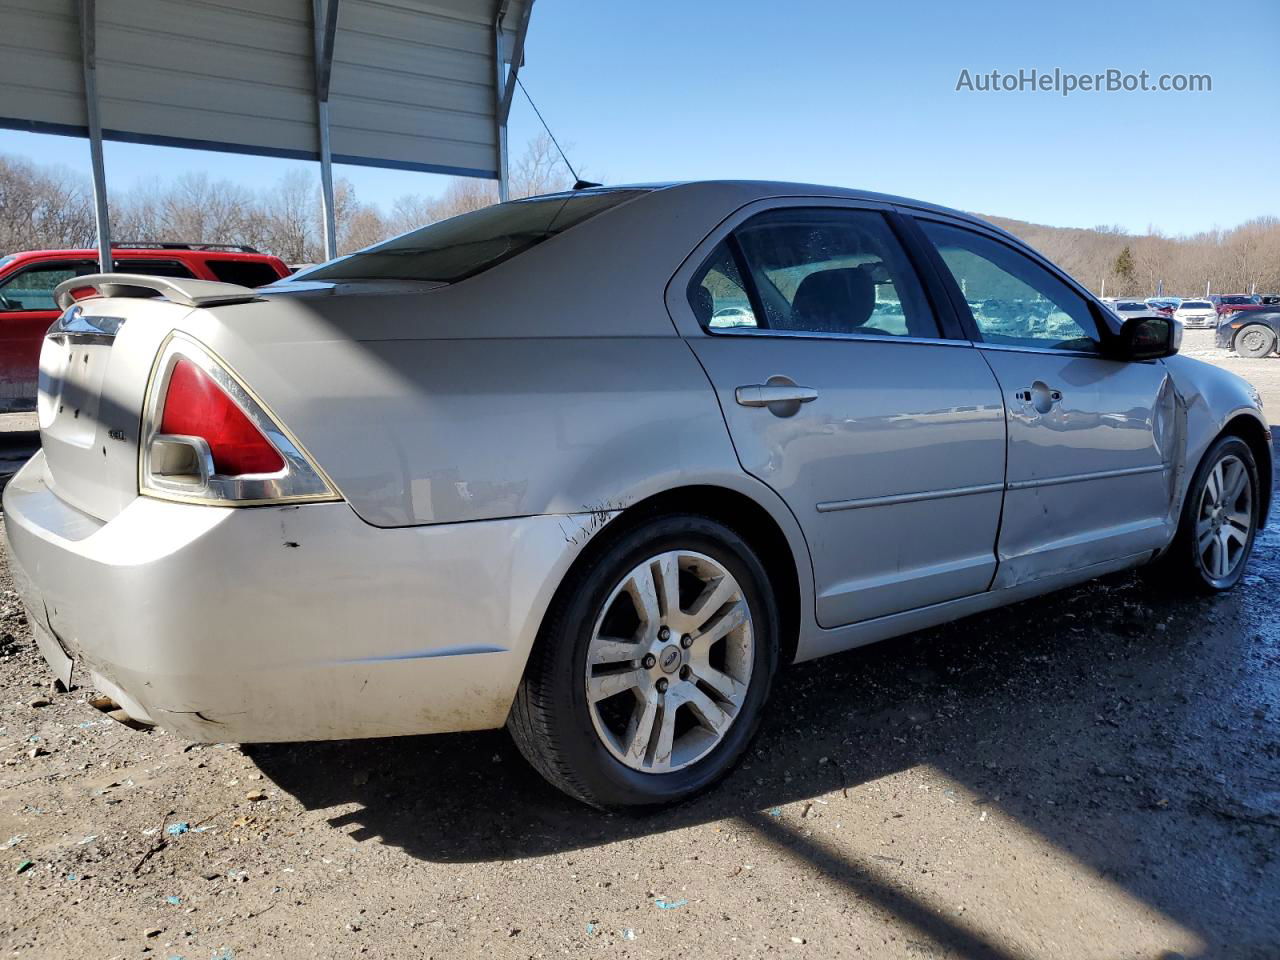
column 579, row 183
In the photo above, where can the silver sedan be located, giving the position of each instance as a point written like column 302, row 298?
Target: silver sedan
column 594, row 465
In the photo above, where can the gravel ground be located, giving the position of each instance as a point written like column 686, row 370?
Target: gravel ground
column 1092, row 774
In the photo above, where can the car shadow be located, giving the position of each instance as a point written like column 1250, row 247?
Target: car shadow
column 1095, row 717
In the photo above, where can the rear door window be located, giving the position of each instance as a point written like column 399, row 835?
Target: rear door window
column 817, row 270
column 32, row 288
column 718, row 296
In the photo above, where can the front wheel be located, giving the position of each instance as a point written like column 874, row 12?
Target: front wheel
column 1219, row 519
column 1255, row 340
column 651, row 671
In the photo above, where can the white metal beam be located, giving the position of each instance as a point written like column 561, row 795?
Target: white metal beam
column 499, row 92
column 507, row 86
column 89, row 60
column 325, row 16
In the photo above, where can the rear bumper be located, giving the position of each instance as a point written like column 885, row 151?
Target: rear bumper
column 285, row 623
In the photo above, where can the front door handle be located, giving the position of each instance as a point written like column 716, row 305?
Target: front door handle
column 763, row 394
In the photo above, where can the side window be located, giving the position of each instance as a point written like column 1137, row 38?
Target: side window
column 834, row 271
column 32, row 289
column 250, row 273
column 156, row 268
column 717, row 294
column 1013, row 299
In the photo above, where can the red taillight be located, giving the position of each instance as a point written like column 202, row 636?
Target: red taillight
column 196, row 406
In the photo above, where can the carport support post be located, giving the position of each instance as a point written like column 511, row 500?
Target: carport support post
column 325, row 16
column 499, row 90
column 505, row 86
column 89, row 60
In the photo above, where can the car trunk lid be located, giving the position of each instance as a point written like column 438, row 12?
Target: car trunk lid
column 95, row 366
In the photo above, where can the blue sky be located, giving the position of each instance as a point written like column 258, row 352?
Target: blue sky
column 864, row 95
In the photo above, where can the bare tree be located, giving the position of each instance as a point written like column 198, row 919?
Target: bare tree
column 42, row 208
column 50, row 207
column 409, row 212
column 539, row 170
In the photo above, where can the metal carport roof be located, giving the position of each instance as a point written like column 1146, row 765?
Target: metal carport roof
column 411, row 84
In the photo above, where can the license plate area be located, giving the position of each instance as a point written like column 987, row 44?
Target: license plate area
column 71, row 376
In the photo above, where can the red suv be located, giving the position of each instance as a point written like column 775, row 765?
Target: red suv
column 26, row 294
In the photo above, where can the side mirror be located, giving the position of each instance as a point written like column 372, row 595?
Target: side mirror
column 1147, row 338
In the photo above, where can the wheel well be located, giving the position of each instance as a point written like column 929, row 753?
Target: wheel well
column 1252, row 432
column 734, row 510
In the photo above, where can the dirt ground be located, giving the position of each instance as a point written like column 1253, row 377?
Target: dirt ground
column 1092, row 774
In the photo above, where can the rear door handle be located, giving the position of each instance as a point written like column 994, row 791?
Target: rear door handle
column 1025, row 395
column 764, row 394
column 1040, row 396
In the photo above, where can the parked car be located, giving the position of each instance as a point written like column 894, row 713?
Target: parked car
column 1165, row 306
column 733, row 317
column 1252, row 334
column 1237, row 303
column 1196, row 313
column 27, row 281
column 1127, row 308
column 504, row 469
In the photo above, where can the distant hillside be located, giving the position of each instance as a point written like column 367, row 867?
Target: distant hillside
column 1231, row 261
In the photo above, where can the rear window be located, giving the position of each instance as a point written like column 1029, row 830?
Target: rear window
column 1236, row 301
column 155, row 268
column 250, row 273
column 463, row 246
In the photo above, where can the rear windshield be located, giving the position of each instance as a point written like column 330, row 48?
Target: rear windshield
column 463, row 246
column 1237, row 300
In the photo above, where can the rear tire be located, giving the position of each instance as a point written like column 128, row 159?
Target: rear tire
column 629, row 700
column 1219, row 521
column 1255, row 340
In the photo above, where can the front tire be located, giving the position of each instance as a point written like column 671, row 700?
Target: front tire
column 1219, row 520
column 1255, row 340
column 650, row 673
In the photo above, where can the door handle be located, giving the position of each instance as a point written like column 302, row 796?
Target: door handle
column 1040, row 396
column 764, row 394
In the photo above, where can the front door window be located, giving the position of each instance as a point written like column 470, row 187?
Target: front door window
column 1014, row 301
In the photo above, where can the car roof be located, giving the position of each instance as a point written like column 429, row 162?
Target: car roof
column 749, row 190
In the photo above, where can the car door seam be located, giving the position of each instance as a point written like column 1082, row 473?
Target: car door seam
column 1004, row 472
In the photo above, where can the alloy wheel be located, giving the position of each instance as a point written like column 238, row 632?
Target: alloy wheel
column 1224, row 520
column 669, row 661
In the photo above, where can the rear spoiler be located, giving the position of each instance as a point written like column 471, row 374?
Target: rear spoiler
column 190, row 293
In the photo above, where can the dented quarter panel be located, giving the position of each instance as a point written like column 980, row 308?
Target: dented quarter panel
column 442, row 431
